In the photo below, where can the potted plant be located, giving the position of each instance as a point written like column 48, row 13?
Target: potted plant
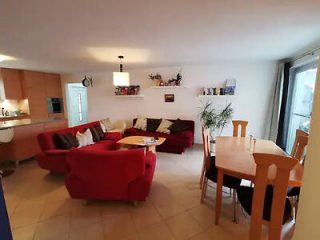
column 215, row 120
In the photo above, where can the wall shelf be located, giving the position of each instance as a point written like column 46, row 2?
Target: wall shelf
column 216, row 96
column 168, row 87
column 129, row 96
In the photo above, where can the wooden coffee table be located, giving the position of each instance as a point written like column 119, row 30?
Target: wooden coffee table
column 138, row 141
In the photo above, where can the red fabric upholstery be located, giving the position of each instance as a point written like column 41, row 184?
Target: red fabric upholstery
column 110, row 175
column 116, row 136
column 175, row 143
column 54, row 159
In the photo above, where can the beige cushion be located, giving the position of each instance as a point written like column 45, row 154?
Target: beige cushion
column 82, row 139
column 107, row 124
column 141, row 123
column 85, row 138
column 164, row 125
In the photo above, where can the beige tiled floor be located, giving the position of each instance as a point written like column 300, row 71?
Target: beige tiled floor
column 40, row 208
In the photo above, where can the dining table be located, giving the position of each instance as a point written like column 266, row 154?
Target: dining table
column 234, row 157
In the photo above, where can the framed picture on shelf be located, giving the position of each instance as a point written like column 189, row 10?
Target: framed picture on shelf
column 169, row 97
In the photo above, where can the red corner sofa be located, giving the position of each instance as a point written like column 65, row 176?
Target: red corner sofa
column 54, row 159
column 111, row 175
column 175, row 143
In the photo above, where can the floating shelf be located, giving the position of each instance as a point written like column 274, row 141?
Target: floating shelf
column 216, row 96
column 168, row 87
column 129, row 96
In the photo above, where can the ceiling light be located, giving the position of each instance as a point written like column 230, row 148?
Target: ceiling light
column 5, row 58
column 121, row 78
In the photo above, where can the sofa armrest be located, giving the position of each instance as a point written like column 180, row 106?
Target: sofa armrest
column 150, row 158
column 56, row 152
column 185, row 134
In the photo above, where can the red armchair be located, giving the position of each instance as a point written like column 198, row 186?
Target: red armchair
column 110, row 175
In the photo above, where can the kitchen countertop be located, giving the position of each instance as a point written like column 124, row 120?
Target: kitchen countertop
column 7, row 118
column 25, row 122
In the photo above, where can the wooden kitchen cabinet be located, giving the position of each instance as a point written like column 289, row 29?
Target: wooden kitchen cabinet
column 34, row 89
column 53, row 85
column 12, row 83
column 55, row 125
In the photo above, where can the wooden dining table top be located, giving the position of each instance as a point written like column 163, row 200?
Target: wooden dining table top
column 234, row 156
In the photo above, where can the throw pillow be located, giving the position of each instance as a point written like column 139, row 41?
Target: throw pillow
column 88, row 134
column 153, row 124
column 72, row 140
column 107, row 124
column 178, row 126
column 82, row 139
column 164, row 126
column 100, row 131
column 102, row 126
column 141, row 123
column 95, row 134
column 61, row 141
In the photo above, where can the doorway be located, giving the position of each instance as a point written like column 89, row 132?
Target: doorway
column 77, row 104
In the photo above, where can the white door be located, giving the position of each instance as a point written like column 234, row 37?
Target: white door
column 77, row 104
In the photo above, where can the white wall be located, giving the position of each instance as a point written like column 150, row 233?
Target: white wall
column 254, row 88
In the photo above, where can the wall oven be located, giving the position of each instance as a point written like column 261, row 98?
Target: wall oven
column 55, row 105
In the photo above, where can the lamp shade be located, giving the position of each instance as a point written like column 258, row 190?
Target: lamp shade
column 121, row 79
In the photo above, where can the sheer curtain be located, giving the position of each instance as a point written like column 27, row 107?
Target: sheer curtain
column 273, row 119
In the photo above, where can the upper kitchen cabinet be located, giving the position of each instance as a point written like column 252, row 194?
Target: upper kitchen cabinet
column 11, row 84
column 34, row 89
column 53, row 85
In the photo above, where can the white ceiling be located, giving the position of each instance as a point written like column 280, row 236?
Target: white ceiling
column 84, row 35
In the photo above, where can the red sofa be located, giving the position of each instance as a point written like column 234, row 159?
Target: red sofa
column 54, row 159
column 175, row 143
column 110, row 175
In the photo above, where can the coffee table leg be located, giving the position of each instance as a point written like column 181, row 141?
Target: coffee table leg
column 219, row 195
column 151, row 148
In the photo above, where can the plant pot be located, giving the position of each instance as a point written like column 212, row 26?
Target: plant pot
column 213, row 146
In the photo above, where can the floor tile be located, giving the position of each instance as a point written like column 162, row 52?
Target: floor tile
column 183, row 226
column 158, row 231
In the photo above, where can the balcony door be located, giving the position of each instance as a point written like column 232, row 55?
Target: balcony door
column 303, row 79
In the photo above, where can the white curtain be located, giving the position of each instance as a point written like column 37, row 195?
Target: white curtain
column 273, row 117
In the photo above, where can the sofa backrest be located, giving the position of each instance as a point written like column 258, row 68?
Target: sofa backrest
column 189, row 123
column 81, row 128
column 110, row 170
column 45, row 139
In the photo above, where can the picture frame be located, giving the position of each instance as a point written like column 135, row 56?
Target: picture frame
column 169, row 98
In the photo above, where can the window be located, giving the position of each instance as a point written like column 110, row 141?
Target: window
column 301, row 99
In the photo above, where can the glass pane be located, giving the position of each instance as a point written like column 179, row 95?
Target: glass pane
column 301, row 102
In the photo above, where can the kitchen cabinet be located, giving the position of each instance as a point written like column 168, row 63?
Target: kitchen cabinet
column 34, row 89
column 25, row 144
column 53, row 85
column 11, row 81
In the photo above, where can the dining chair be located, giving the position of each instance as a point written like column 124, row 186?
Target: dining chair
column 243, row 124
column 211, row 173
column 257, row 201
column 298, row 150
column 204, row 158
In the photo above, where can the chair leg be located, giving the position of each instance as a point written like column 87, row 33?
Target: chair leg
column 235, row 206
column 202, row 176
column 204, row 189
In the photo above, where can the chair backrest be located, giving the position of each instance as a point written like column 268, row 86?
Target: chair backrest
column 280, row 186
column 299, row 145
column 236, row 124
column 206, row 147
